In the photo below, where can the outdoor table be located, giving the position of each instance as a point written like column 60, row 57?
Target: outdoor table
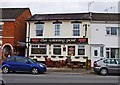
column 76, row 64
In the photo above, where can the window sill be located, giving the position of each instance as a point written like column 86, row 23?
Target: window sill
column 112, row 35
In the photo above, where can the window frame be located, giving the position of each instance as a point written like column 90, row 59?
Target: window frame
column 39, row 47
column 95, row 52
column 81, row 47
column 57, row 29
column 76, row 29
column 110, row 30
column 101, row 51
column 58, row 47
column 110, row 50
column 39, row 29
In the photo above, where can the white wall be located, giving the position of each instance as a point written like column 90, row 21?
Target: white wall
column 98, row 36
column 66, row 30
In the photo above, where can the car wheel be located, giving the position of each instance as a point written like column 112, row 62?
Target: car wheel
column 103, row 71
column 35, row 71
column 5, row 70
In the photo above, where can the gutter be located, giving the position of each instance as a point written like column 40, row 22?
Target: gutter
column 7, row 20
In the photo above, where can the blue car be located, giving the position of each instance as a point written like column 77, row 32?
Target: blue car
column 22, row 64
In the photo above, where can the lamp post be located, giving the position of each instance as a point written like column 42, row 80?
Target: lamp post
column 89, row 4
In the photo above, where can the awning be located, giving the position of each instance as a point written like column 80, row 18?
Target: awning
column 20, row 45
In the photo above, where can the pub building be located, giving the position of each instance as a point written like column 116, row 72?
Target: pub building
column 58, row 36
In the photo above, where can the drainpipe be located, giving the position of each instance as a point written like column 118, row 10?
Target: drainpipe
column 28, row 38
column 90, row 37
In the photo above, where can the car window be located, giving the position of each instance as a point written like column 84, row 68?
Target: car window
column 21, row 60
column 112, row 61
column 31, row 60
column 107, row 61
column 11, row 59
column 118, row 61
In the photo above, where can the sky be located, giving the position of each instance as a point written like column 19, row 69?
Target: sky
column 62, row 6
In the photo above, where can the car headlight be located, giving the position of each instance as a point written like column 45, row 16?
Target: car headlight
column 41, row 65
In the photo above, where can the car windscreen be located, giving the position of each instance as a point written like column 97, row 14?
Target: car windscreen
column 118, row 61
column 31, row 60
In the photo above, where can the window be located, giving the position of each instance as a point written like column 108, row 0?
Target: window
column 107, row 61
column 118, row 61
column 112, row 61
column 34, row 46
column 0, row 30
column 38, row 49
column 21, row 60
column 39, row 29
column 101, row 51
column 57, row 29
column 71, row 50
column 76, row 29
column 11, row 59
column 95, row 52
column 112, row 30
column 108, row 31
column 112, row 52
column 57, row 50
column 81, row 50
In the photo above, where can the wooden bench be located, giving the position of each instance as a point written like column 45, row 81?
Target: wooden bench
column 77, row 65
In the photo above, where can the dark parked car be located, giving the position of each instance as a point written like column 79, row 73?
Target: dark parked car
column 105, row 66
column 22, row 64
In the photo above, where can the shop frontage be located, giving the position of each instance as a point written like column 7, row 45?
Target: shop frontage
column 59, row 49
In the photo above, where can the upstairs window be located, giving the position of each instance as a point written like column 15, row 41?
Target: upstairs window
column 57, row 29
column 112, row 30
column 76, row 29
column 39, row 29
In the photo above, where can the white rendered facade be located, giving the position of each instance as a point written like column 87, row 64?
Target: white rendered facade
column 66, row 32
column 102, row 39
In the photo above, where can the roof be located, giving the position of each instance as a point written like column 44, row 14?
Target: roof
column 68, row 16
column 11, row 13
column 105, row 16
column 76, row 16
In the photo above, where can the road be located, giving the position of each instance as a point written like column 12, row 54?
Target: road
column 58, row 77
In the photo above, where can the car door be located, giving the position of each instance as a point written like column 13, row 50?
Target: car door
column 23, row 64
column 112, row 66
column 118, row 64
column 11, row 63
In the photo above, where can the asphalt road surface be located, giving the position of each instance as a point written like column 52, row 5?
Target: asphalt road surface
column 59, row 77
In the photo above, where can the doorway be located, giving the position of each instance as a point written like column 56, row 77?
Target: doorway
column 7, row 50
column 71, row 50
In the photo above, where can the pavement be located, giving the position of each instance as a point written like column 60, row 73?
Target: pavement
column 70, row 70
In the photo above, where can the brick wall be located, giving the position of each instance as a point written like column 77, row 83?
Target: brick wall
column 15, row 29
column 21, row 26
column 8, row 33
